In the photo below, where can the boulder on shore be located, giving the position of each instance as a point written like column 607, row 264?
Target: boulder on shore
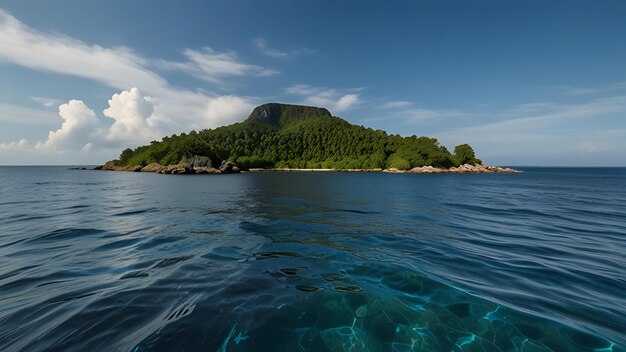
column 427, row 170
column 174, row 169
column 154, row 167
column 226, row 167
column 206, row 170
column 112, row 166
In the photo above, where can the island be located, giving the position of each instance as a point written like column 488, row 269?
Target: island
column 285, row 137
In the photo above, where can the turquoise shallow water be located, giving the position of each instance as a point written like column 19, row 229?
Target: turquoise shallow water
column 312, row 261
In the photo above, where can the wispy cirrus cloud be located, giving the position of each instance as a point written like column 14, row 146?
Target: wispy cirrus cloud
column 552, row 134
column 410, row 112
column 604, row 89
column 338, row 100
column 400, row 104
column 10, row 113
column 117, row 67
column 550, row 112
column 263, row 46
column 591, row 131
column 212, row 66
column 47, row 102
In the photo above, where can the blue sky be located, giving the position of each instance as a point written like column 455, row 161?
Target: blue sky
column 524, row 82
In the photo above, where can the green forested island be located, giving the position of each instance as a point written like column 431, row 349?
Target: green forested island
column 297, row 137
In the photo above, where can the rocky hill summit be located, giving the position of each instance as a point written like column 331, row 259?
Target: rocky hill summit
column 278, row 115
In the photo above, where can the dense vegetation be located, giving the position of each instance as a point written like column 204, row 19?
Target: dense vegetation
column 292, row 136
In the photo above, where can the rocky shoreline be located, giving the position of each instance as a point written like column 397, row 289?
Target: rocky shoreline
column 227, row 167
column 463, row 169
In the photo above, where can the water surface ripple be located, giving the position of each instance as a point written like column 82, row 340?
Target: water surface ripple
column 312, row 261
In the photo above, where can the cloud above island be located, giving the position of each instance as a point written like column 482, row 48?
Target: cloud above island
column 336, row 100
column 146, row 106
column 76, row 91
column 132, row 121
column 117, row 67
column 80, row 127
column 573, row 134
column 411, row 113
column 46, row 102
column 212, row 66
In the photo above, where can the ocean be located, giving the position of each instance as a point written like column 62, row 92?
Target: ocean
column 304, row 261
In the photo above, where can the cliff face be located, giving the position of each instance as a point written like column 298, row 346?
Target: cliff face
column 279, row 115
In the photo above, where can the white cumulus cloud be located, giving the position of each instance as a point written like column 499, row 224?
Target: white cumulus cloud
column 80, row 127
column 227, row 109
column 15, row 146
column 132, row 121
column 133, row 115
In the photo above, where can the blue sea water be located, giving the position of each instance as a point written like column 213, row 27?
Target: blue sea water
column 115, row 261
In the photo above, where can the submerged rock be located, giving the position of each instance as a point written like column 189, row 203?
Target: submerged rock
column 347, row 288
column 332, row 277
column 289, row 271
column 271, row 255
column 305, row 288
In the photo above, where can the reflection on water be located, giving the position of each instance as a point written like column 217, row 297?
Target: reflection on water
column 312, row 262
